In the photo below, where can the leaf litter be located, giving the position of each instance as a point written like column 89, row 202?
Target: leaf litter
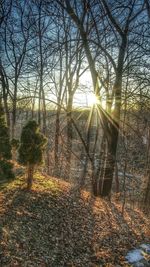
column 54, row 225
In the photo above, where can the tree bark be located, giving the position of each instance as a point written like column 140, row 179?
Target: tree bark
column 57, row 134
column 5, row 90
column 147, row 193
column 69, row 136
column 14, row 107
column 30, row 176
column 41, row 87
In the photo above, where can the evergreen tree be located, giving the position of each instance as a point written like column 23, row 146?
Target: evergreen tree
column 31, row 149
column 5, row 148
column 14, row 145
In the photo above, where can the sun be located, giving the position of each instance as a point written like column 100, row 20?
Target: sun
column 92, row 99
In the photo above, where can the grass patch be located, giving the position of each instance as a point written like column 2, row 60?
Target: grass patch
column 45, row 183
column 41, row 183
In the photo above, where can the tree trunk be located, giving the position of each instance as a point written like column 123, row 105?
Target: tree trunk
column 30, row 176
column 41, row 71
column 7, row 112
column 14, row 107
column 84, row 171
column 69, row 143
column 117, row 178
column 147, row 193
column 110, row 161
column 44, row 112
column 108, row 123
column 57, row 133
column 5, row 90
column 69, row 133
column 106, row 185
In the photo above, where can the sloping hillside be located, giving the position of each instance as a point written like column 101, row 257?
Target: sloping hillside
column 55, row 226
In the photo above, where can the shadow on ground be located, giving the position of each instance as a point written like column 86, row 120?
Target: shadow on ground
column 62, row 228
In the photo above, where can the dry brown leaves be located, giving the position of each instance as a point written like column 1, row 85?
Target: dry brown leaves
column 55, row 226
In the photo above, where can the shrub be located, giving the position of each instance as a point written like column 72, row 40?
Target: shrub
column 32, row 145
column 6, row 171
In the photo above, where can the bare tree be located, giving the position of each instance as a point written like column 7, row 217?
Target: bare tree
column 120, row 29
column 15, row 38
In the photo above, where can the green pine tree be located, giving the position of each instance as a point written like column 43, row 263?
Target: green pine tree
column 14, row 146
column 31, row 149
column 5, row 148
column 14, row 143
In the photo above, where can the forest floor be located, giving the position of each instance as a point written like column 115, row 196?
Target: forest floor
column 54, row 225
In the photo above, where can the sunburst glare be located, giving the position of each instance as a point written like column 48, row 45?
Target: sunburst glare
column 92, row 99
